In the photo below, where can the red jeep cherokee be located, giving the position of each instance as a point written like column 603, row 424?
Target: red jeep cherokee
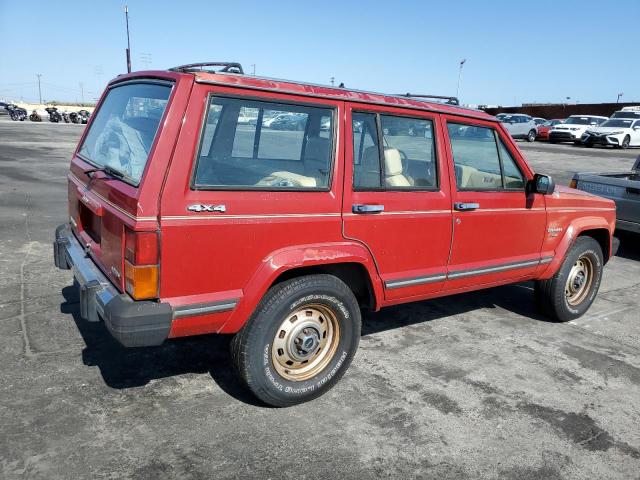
column 214, row 202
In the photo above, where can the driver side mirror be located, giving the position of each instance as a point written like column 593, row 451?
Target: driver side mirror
column 543, row 184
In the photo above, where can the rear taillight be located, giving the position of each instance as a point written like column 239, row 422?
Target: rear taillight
column 573, row 183
column 141, row 264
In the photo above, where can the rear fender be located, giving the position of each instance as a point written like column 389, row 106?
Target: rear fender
column 300, row 256
column 575, row 229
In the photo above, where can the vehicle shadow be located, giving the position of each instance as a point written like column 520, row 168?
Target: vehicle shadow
column 123, row 368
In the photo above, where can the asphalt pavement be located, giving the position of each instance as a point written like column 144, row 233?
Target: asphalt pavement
column 470, row 386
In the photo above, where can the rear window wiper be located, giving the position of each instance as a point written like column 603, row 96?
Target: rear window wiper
column 112, row 172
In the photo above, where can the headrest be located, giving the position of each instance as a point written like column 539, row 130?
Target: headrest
column 392, row 161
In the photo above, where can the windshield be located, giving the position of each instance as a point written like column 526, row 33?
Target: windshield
column 124, row 128
column 617, row 123
column 626, row 115
column 580, row 120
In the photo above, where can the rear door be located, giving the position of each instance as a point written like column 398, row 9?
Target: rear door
column 397, row 198
column 498, row 227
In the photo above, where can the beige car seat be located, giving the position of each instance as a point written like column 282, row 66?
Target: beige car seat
column 393, row 170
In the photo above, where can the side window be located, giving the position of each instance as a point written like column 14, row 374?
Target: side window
column 408, row 161
column 252, row 144
column 409, row 152
column 513, row 178
column 366, row 154
column 481, row 160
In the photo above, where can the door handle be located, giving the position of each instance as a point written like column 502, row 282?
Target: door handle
column 460, row 206
column 360, row 208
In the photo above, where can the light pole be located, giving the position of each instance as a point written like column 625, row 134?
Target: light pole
column 253, row 67
column 619, row 95
column 126, row 16
column 462, row 62
column 39, row 89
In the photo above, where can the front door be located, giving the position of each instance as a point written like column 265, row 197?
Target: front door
column 396, row 197
column 498, row 227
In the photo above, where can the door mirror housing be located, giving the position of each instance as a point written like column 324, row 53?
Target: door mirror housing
column 542, row 184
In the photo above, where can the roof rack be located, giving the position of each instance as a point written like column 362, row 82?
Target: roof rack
column 227, row 67
column 449, row 100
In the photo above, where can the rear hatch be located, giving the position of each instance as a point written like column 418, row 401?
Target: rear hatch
column 117, row 171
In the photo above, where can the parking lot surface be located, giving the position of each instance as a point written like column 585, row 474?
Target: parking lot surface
column 470, row 386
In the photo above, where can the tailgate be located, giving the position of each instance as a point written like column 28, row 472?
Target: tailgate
column 622, row 188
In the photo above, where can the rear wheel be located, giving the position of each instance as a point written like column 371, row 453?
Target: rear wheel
column 531, row 136
column 299, row 341
column 571, row 291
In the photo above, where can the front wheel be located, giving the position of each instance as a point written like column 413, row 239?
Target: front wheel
column 625, row 142
column 299, row 341
column 531, row 136
column 571, row 291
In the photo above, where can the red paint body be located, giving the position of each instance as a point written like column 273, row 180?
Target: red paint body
column 543, row 130
column 209, row 257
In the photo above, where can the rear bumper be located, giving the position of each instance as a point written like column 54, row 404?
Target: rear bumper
column 132, row 323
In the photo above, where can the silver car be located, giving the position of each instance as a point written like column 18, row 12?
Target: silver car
column 519, row 125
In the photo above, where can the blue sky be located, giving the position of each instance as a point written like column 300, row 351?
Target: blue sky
column 516, row 51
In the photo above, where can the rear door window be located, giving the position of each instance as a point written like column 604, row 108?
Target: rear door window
column 251, row 144
column 407, row 159
column 125, row 126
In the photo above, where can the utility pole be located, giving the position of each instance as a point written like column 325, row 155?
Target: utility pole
column 82, row 93
column 126, row 16
column 333, row 81
column 253, row 67
column 619, row 95
column 39, row 89
column 462, row 62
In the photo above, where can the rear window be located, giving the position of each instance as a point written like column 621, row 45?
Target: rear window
column 124, row 128
column 249, row 144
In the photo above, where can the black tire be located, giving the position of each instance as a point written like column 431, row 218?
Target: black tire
column 551, row 296
column 256, row 358
column 625, row 142
column 552, row 141
column 577, row 143
column 531, row 136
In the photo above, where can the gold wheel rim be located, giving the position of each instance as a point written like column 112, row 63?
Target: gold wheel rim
column 579, row 281
column 305, row 342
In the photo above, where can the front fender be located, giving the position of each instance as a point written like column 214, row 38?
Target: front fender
column 295, row 257
column 573, row 231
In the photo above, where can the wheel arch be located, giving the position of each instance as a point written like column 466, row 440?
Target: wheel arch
column 597, row 228
column 348, row 261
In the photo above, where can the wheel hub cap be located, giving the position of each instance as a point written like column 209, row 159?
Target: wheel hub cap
column 305, row 342
column 579, row 281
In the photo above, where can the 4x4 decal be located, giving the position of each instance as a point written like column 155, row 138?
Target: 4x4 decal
column 198, row 207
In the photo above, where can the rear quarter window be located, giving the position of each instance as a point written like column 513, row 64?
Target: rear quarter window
column 251, row 144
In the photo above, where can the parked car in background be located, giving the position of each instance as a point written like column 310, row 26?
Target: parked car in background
column 291, row 121
column 545, row 128
column 615, row 132
column 3, row 108
column 627, row 112
column 572, row 128
column 520, row 126
column 193, row 226
column 621, row 187
column 539, row 121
